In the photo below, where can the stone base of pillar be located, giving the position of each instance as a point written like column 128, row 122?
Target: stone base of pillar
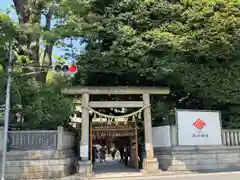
column 85, row 168
column 150, row 165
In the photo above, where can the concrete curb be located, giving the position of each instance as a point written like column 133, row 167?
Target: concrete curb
column 145, row 176
column 164, row 175
column 140, row 176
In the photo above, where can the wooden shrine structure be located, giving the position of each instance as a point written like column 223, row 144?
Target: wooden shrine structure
column 114, row 125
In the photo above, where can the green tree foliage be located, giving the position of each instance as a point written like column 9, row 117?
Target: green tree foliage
column 7, row 31
column 190, row 45
column 49, row 110
column 37, row 34
column 42, row 105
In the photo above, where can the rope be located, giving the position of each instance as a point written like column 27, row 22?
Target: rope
column 122, row 116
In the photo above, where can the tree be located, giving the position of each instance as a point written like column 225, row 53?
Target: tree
column 40, row 103
column 35, row 34
column 7, row 31
column 191, row 46
column 43, row 26
column 29, row 16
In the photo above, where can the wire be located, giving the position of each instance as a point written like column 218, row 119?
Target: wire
column 81, row 68
column 32, row 66
column 26, row 74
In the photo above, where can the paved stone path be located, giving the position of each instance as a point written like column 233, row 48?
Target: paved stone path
column 113, row 168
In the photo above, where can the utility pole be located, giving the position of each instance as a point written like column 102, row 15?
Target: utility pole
column 7, row 109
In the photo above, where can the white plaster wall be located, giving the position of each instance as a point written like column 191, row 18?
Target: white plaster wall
column 161, row 136
column 68, row 140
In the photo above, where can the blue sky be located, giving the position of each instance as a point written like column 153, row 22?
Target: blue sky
column 6, row 4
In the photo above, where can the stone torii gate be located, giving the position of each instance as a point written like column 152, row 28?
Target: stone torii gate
column 150, row 162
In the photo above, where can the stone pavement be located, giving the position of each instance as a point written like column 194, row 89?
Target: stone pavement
column 112, row 168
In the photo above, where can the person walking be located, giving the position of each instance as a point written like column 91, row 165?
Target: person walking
column 121, row 151
column 113, row 152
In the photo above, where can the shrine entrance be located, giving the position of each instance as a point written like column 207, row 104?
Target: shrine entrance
column 116, row 135
column 97, row 126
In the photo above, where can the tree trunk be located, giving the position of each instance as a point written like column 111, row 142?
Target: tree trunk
column 47, row 55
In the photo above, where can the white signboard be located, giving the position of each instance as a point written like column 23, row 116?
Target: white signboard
column 84, row 151
column 196, row 128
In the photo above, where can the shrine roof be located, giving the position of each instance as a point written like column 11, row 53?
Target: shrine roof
column 118, row 90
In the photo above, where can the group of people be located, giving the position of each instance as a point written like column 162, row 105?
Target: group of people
column 99, row 153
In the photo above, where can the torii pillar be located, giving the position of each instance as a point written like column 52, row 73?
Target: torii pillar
column 150, row 163
column 85, row 165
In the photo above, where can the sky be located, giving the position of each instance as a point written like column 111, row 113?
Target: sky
column 6, row 4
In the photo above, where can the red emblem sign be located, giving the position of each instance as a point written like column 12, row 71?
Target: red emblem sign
column 199, row 124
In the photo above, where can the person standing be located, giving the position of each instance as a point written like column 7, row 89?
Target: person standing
column 140, row 154
column 126, row 153
column 94, row 151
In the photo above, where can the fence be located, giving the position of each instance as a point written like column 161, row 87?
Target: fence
column 40, row 140
column 168, row 134
column 231, row 137
column 60, row 139
column 32, row 140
